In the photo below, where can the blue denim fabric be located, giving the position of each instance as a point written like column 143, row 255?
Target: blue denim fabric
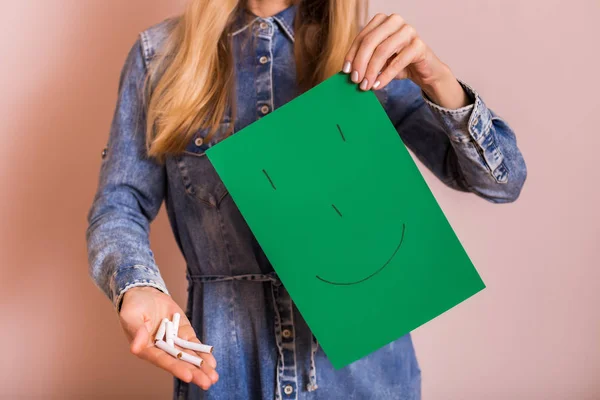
column 264, row 348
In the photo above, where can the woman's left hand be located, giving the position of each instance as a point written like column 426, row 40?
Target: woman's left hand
column 388, row 48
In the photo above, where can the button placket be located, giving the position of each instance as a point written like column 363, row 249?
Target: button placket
column 264, row 68
column 263, row 27
column 286, row 363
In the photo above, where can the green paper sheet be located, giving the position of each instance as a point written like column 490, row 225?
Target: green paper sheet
column 346, row 219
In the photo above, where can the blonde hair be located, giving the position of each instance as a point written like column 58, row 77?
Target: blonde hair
column 190, row 83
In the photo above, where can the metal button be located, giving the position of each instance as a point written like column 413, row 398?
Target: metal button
column 199, row 141
column 263, row 25
column 264, row 109
column 263, row 59
column 104, row 152
column 287, row 333
column 288, row 389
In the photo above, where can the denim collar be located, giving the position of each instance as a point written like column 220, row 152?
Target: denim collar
column 285, row 19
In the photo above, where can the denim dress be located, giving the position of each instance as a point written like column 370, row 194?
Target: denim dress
column 263, row 346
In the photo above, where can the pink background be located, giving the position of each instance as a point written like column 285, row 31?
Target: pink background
column 533, row 334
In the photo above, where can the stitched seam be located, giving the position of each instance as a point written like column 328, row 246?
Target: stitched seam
column 192, row 192
column 280, row 362
column 227, row 278
column 457, row 112
column 222, row 197
column 486, row 131
column 137, row 266
column 145, row 47
column 191, row 153
column 137, row 283
column 286, row 28
column 242, row 29
column 294, row 349
column 271, row 74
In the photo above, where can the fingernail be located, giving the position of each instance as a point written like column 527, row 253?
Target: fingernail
column 355, row 77
column 364, row 84
column 347, row 67
column 376, row 84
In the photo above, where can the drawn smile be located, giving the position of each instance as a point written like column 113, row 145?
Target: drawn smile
column 374, row 273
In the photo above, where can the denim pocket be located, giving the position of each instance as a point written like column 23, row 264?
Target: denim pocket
column 200, row 179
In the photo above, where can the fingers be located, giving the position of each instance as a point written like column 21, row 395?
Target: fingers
column 397, row 66
column 205, row 369
column 391, row 47
column 348, row 64
column 142, row 345
column 186, row 372
column 186, row 332
column 376, row 32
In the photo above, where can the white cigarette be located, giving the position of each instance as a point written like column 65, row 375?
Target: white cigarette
column 176, row 318
column 197, row 361
column 202, row 348
column 160, row 334
column 161, row 344
column 169, row 334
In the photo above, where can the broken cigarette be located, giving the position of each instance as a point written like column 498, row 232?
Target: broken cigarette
column 169, row 334
column 161, row 344
column 202, row 348
column 160, row 334
column 176, row 318
column 197, row 361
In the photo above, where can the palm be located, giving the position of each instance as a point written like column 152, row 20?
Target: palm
column 141, row 315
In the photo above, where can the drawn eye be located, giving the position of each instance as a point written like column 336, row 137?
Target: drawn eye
column 341, row 133
column 270, row 180
column 336, row 210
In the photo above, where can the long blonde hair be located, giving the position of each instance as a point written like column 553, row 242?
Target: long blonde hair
column 190, row 82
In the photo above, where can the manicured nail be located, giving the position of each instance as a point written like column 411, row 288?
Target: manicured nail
column 364, row 84
column 376, row 84
column 355, row 77
column 347, row 67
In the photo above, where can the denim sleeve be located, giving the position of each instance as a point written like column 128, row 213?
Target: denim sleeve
column 130, row 192
column 470, row 149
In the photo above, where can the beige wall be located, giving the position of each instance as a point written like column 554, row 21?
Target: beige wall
column 533, row 334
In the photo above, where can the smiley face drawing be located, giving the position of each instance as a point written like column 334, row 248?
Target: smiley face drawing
column 343, row 214
column 338, row 212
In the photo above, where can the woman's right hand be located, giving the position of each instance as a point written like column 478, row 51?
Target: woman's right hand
column 142, row 311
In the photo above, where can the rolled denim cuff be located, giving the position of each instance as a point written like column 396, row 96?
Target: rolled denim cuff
column 126, row 278
column 456, row 122
column 473, row 123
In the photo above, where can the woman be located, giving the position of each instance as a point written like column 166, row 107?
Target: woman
column 190, row 81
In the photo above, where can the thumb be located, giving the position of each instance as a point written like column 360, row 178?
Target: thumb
column 140, row 340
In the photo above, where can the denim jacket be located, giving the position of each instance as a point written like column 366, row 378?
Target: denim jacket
column 236, row 302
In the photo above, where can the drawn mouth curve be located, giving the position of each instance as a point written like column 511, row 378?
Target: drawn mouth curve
column 374, row 273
